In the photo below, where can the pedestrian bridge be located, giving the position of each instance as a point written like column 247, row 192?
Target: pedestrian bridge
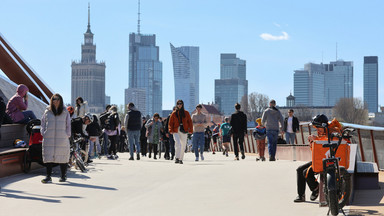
column 218, row 185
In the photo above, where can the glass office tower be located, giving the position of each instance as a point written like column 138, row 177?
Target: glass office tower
column 146, row 71
column 371, row 85
column 186, row 75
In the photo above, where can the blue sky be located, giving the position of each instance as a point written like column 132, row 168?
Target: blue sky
column 48, row 35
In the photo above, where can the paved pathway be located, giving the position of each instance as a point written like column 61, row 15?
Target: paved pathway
column 216, row 186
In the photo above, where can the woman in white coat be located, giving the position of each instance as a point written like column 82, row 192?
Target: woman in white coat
column 56, row 130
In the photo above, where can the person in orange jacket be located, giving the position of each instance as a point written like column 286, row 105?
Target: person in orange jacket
column 180, row 126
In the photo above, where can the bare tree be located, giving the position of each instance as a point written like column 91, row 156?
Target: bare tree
column 244, row 104
column 351, row 110
column 303, row 113
column 257, row 103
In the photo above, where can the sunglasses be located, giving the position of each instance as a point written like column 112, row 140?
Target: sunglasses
column 179, row 103
column 53, row 99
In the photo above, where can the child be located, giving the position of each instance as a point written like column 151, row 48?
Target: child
column 260, row 133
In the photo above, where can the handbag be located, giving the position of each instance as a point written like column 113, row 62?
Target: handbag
column 181, row 129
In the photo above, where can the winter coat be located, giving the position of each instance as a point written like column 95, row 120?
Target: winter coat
column 151, row 130
column 295, row 124
column 239, row 122
column 16, row 105
column 271, row 118
column 81, row 110
column 174, row 122
column 56, row 131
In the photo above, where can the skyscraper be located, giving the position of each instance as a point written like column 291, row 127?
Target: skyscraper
column 232, row 85
column 186, row 75
column 146, row 70
column 88, row 75
column 371, row 86
column 323, row 84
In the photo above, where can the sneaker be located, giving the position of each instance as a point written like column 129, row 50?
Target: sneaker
column 149, row 155
column 226, row 154
column 272, row 159
column 202, row 157
column 115, row 157
column 89, row 161
column 213, row 153
column 262, row 158
column 236, row 158
column 314, row 194
column 47, row 179
column 177, row 160
column 180, row 162
column 63, row 179
column 138, row 157
column 110, row 157
column 154, row 157
column 131, row 158
column 300, row 199
column 197, row 159
column 243, row 156
column 257, row 159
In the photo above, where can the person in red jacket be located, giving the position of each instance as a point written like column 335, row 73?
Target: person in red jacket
column 180, row 126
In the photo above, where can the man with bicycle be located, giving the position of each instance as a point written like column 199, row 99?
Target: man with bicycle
column 78, row 126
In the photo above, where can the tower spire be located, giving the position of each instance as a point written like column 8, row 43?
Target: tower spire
column 138, row 20
column 89, row 18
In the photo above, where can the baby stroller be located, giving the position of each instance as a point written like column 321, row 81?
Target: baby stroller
column 34, row 152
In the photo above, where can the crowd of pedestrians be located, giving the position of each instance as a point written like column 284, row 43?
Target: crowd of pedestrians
column 105, row 134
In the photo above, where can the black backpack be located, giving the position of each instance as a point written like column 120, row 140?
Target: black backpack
column 108, row 121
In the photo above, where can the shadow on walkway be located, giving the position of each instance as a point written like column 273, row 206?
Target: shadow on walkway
column 15, row 194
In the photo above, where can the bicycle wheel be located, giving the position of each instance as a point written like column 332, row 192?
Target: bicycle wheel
column 332, row 195
column 344, row 187
column 80, row 163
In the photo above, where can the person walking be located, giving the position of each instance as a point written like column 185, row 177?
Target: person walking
column 207, row 136
column 226, row 136
column 103, row 119
column 180, row 125
column 143, row 138
column 18, row 104
column 56, row 130
column 239, row 130
column 170, row 136
column 154, row 126
column 260, row 134
column 94, row 131
column 113, row 132
column 199, row 121
column 81, row 107
column 215, row 137
column 271, row 119
column 132, row 122
column 291, row 127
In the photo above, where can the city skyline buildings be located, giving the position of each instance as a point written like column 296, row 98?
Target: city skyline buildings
column 308, row 40
column 371, row 85
column 88, row 75
column 232, row 85
column 186, row 75
column 323, row 84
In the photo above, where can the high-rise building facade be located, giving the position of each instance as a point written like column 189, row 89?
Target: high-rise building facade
column 186, row 75
column 88, row 75
column 137, row 96
column 338, row 78
column 232, row 85
column 371, row 85
column 146, row 70
column 323, row 84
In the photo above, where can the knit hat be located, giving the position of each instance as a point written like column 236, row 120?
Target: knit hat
column 258, row 121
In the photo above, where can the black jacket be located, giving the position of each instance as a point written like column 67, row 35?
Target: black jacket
column 77, row 127
column 239, row 122
column 295, row 124
column 93, row 129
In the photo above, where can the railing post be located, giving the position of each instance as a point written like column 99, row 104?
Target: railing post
column 361, row 146
column 249, row 147
column 253, row 145
column 302, row 133
column 374, row 150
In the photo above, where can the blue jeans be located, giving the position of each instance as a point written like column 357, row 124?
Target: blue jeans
column 28, row 116
column 133, row 139
column 272, row 136
column 198, row 141
column 105, row 143
column 290, row 138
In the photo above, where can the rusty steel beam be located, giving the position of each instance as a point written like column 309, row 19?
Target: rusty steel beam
column 374, row 150
column 18, row 71
column 361, row 146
